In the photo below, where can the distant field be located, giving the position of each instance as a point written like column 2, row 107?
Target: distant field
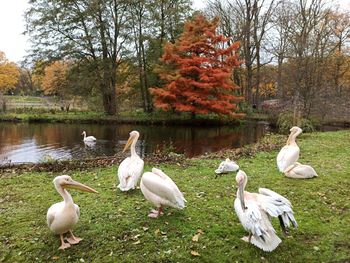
column 17, row 102
column 23, row 99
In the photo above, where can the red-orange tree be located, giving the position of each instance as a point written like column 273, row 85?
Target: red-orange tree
column 197, row 71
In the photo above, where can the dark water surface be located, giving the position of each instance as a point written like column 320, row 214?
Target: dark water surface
column 39, row 142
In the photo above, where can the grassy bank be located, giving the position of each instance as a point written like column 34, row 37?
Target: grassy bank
column 138, row 117
column 115, row 226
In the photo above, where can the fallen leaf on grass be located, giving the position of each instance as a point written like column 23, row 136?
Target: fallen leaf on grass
column 137, row 242
column 195, row 253
column 196, row 237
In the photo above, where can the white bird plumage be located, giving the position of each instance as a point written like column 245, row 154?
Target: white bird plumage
column 227, row 166
column 88, row 138
column 62, row 216
column 131, row 168
column 159, row 189
column 300, row 171
column 254, row 211
column 289, row 153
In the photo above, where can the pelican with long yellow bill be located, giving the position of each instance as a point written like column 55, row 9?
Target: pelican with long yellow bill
column 62, row 216
column 131, row 168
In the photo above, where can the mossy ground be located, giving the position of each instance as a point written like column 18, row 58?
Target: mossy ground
column 115, row 226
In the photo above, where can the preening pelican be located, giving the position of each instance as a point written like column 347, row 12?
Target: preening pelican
column 289, row 153
column 254, row 211
column 88, row 138
column 130, row 169
column 227, row 166
column 62, row 216
column 159, row 189
column 298, row 170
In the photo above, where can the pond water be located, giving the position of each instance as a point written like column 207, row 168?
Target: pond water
column 39, row 142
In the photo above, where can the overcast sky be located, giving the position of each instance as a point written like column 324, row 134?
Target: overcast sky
column 12, row 25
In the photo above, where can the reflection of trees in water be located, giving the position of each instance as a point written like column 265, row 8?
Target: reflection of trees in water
column 198, row 140
column 66, row 140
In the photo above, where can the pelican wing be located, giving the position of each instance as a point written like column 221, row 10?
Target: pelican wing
column 277, row 206
column 256, row 221
column 51, row 212
column 300, row 171
column 287, row 156
column 50, row 217
column 77, row 210
column 268, row 192
column 129, row 172
column 162, row 186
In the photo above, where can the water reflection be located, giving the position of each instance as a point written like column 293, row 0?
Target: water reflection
column 27, row 142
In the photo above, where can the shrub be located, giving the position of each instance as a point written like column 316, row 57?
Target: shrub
column 285, row 122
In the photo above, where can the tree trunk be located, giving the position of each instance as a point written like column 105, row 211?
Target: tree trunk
column 108, row 98
column 280, row 91
column 145, row 79
column 248, row 95
column 108, row 73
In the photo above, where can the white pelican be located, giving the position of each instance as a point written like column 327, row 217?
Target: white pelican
column 298, row 170
column 159, row 189
column 62, row 216
column 130, row 169
column 88, row 138
column 254, row 211
column 227, row 166
column 289, row 153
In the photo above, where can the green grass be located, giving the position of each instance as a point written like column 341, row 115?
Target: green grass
column 24, row 99
column 28, row 115
column 157, row 117
column 115, row 226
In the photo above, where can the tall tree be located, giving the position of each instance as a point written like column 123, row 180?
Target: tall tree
column 197, row 71
column 247, row 21
column 154, row 23
column 140, row 19
column 94, row 31
column 279, row 44
column 340, row 26
column 309, row 38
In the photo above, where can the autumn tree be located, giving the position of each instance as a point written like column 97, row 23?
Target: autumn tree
column 9, row 73
column 55, row 82
column 55, row 79
column 197, row 71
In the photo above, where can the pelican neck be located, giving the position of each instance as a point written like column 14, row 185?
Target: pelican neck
column 133, row 148
column 65, row 195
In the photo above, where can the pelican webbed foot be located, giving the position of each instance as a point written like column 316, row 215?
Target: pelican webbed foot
column 73, row 240
column 64, row 245
column 155, row 213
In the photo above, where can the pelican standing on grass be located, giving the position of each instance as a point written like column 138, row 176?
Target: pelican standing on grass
column 254, row 211
column 130, row 169
column 62, row 216
column 289, row 154
column 88, row 138
column 300, row 171
column 159, row 189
